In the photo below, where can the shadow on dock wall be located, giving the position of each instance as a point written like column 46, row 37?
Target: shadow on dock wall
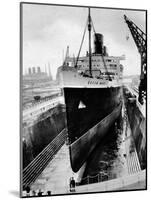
column 138, row 127
column 45, row 129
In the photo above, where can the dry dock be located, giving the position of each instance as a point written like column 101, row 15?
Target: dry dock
column 55, row 177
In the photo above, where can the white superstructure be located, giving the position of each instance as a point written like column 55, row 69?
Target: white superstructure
column 112, row 65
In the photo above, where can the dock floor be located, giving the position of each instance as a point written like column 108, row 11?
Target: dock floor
column 57, row 174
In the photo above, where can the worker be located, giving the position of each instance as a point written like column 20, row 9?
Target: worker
column 40, row 193
column 49, row 193
column 27, row 191
column 72, row 185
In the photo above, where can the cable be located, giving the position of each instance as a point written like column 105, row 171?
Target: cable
column 93, row 26
column 81, row 45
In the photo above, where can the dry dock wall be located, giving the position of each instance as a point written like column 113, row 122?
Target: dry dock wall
column 138, row 126
column 42, row 131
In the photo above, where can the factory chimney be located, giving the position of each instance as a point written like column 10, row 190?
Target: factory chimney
column 38, row 70
column 45, row 68
column 50, row 75
column 29, row 70
column 33, row 70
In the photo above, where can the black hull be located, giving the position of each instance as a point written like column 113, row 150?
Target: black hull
column 88, row 124
column 82, row 148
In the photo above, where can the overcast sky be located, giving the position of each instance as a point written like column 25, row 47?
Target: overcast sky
column 47, row 30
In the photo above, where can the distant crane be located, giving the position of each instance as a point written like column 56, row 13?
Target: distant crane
column 140, row 40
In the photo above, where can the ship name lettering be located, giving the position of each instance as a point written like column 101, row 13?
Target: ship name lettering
column 93, row 82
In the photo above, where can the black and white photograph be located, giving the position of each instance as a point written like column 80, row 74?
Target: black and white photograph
column 83, row 94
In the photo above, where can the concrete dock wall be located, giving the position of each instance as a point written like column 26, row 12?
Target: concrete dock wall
column 137, row 120
column 138, row 126
column 44, row 129
column 135, row 181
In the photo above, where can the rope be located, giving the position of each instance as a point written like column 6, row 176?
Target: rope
column 93, row 176
column 93, row 26
column 102, row 54
column 81, row 44
column 98, row 176
column 106, row 67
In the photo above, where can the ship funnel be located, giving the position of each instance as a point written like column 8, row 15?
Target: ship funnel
column 98, row 43
column 105, row 51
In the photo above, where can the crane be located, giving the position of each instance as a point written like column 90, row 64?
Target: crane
column 140, row 40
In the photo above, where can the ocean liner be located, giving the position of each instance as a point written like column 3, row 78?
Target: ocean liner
column 92, row 87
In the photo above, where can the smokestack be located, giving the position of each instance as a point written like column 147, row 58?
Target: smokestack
column 34, row 70
column 45, row 68
column 29, row 70
column 50, row 75
column 38, row 70
column 98, row 43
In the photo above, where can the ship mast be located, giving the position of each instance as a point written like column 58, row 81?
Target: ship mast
column 89, row 29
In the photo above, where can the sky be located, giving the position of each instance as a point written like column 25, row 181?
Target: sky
column 48, row 30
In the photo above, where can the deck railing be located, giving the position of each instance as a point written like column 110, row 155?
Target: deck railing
column 42, row 100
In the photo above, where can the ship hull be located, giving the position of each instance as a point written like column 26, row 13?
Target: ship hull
column 82, row 147
column 90, row 113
